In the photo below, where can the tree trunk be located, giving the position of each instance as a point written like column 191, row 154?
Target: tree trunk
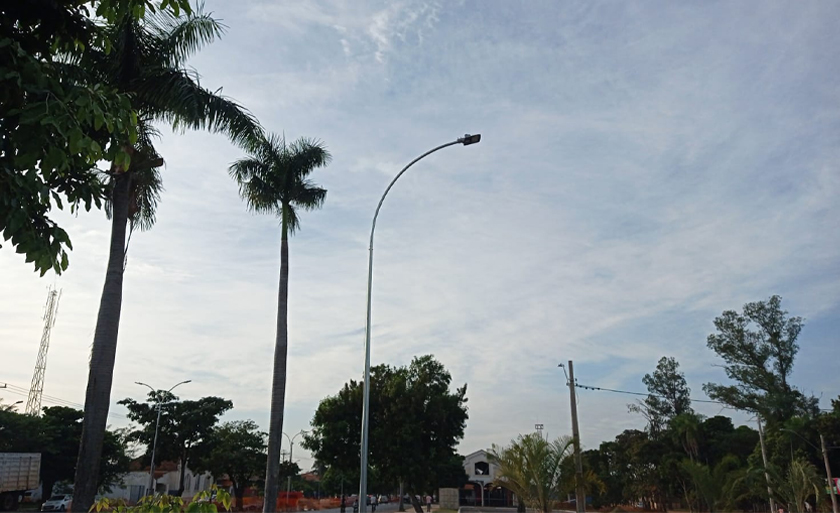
column 103, row 354
column 402, row 504
column 278, row 387
column 418, row 508
column 183, row 472
column 238, row 492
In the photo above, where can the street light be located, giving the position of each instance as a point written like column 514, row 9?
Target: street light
column 291, row 450
column 157, row 425
column 466, row 141
column 824, row 451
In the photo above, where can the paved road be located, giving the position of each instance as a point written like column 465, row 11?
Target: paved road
column 382, row 508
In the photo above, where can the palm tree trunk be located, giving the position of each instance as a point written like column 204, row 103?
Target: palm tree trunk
column 278, row 387
column 103, row 354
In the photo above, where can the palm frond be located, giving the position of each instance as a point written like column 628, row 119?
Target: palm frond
column 308, row 196
column 305, row 155
column 180, row 37
column 146, row 187
column 175, row 97
column 273, row 177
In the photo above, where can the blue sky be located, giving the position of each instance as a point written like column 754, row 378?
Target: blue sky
column 644, row 166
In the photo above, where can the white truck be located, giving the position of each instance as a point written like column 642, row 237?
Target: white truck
column 19, row 471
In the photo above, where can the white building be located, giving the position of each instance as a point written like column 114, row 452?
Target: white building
column 167, row 476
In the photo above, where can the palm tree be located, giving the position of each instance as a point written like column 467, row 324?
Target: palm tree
column 146, row 62
column 532, row 468
column 274, row 179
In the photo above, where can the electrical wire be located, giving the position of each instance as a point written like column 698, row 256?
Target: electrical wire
column 55, row 401
column 604, row 389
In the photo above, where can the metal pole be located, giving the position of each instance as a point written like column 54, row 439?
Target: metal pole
column 467, row 139
column 580, row 494
column 764, row 457
column 151, row 490
column 157, row 425
column 831, row 486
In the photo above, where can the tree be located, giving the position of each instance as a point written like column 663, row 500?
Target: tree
column 532, row 468
column 147, row 62
column 668, row 395
column 759, row 348
column 183, row 425
column 55, row 125
column 799, row 483
column 274, row 179
column 235, row 449
column 55, row 435
column 415, row 423
column 714, row 484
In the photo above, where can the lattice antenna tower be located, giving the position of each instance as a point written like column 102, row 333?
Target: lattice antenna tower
column 33, row 402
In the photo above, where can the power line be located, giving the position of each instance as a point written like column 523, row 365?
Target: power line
column 57, row 401
column 604, row 389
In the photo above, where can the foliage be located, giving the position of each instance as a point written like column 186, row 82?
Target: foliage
column 56, row 436
column 274, row 178
column 798, row 484
column 415, row 423
column 668, row 395
column 759, row 348
column 714, row 485
column 53, row 128
column 235, row 449
column 183, row 425
column 532, row 468
column 203, row 502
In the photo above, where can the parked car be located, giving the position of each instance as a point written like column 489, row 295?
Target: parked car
column 57, row 503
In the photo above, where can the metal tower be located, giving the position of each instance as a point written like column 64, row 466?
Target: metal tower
column 33, row 403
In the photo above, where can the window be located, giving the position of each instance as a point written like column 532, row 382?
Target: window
column 187, row 481
column 197, row 483
column 482, row 468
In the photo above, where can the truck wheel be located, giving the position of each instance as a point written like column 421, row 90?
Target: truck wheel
column 8, row 501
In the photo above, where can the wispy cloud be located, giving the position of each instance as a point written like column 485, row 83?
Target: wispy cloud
column 643, row 167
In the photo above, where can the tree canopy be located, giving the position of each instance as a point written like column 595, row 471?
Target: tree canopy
column 416, row 422
column 669, row 395
column 183, row 425
column 758, row 348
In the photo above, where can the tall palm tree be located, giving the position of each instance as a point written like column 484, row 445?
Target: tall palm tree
column 274, row 179
column 147, row 62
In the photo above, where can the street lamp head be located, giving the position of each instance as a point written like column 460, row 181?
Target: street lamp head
column 17, row 402
column 469, row 139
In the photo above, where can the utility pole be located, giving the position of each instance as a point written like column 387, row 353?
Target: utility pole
column 828, row 473
column 764, row 457
column 580, row 495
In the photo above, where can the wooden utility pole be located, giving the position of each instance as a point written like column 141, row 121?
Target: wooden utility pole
column 580, row 494
column 828, row 473
column 764, row 457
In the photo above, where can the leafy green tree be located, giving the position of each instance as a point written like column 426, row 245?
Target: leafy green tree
column 759, row 348
column 714, row 485
column 235, row 449
column 415, row 424
column 147, row 62
column 183, row 425
column 274, row 179
column 532, row 468
column 57, row 120
column 55, row 435
column 668, row 395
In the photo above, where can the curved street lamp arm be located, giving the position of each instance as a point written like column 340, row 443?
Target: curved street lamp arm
column 390, row 185
column 802, row 438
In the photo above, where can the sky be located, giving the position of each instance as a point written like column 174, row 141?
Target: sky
column 643, row 167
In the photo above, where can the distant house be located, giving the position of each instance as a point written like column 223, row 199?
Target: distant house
column 167, row 474
column 479, row 490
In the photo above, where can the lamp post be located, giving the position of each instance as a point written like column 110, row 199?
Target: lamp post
column 291, row 449
column 466, row 141
column 824, row 451
column 157, row 425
